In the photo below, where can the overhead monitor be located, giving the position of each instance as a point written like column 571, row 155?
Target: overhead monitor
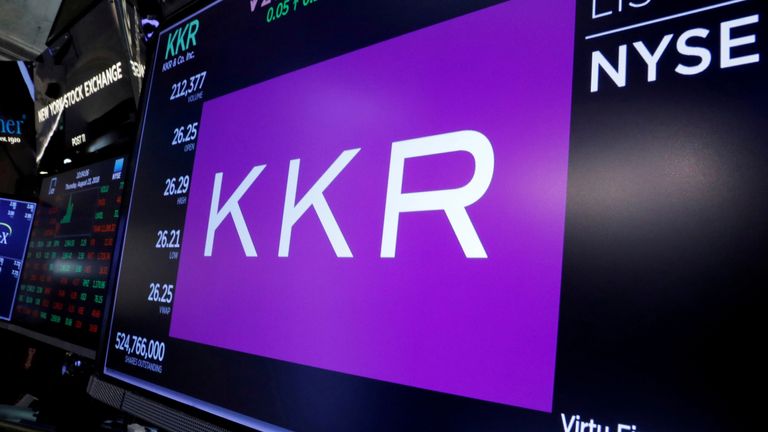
column 87, row 84
column 444, row 215
column 64, row 283
column 15, row 223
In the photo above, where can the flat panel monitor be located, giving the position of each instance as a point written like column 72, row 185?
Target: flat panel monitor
column 86, row 86
column 64, row 283
column 15, row 224
column 446, row 215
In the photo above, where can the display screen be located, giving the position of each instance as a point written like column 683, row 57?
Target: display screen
column 87, row 85
column 64, row 282
column 15, row 223
column 411, row 215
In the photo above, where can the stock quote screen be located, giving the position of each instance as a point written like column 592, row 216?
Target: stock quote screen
column 15, row 223
column 352, row 216
column 64, row 282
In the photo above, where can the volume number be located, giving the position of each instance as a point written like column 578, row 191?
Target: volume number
column 188, row 86
column 147, row 349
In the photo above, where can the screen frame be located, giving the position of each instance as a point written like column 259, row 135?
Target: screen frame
column 164, row 403
column 139, row 390
column 163, row 398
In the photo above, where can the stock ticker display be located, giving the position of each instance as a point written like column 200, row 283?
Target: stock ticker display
column 15, row 224
column 63, row 286
column 352, row 216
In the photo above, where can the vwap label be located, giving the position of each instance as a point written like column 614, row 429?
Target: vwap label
column 396, row 213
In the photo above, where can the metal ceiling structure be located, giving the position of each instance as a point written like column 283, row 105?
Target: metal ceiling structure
column 24, row 27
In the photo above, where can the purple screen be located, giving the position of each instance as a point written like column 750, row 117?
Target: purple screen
column 478, row 110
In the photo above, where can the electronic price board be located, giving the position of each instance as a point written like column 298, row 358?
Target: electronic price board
column 64, row 281
column 15, row 224
column 448, row 215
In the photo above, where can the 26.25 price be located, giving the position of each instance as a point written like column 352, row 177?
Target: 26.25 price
column 160, row 293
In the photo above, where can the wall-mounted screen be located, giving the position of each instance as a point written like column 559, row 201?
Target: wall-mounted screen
column 63, row 287
column 87, row 84
column 448, row 215
column 15, row 223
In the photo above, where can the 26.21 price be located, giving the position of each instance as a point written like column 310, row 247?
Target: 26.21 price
column 168, row 239
column 184, row 134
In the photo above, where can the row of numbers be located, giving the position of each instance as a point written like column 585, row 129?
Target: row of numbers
column 188, row 86
column 184, row 134
column 160, row 293
column 176, row 185
column 148, row 349
column 168, row 239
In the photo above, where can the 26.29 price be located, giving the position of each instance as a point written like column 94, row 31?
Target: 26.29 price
column 160, row 293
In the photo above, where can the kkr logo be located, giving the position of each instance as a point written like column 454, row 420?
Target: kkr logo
column 453, row 202
column 182, row 39
column 5, row 233
column 449, row 193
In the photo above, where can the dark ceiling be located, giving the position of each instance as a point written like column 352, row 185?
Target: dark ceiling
column 24, row 27
column 27, row 26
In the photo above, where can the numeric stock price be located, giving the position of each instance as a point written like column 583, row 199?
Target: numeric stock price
column 176, row 186
column 184, row 134
column 168, row 239
column 160, row 293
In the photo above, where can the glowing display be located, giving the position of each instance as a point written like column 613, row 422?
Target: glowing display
column 15, row 224
column 372, row 185
column 449, row 215
column 64, row 283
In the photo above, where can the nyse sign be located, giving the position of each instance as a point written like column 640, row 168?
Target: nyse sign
column 687, row 52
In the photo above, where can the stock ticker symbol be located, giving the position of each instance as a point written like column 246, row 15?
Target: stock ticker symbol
column 5, row 233
column 453, row 202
